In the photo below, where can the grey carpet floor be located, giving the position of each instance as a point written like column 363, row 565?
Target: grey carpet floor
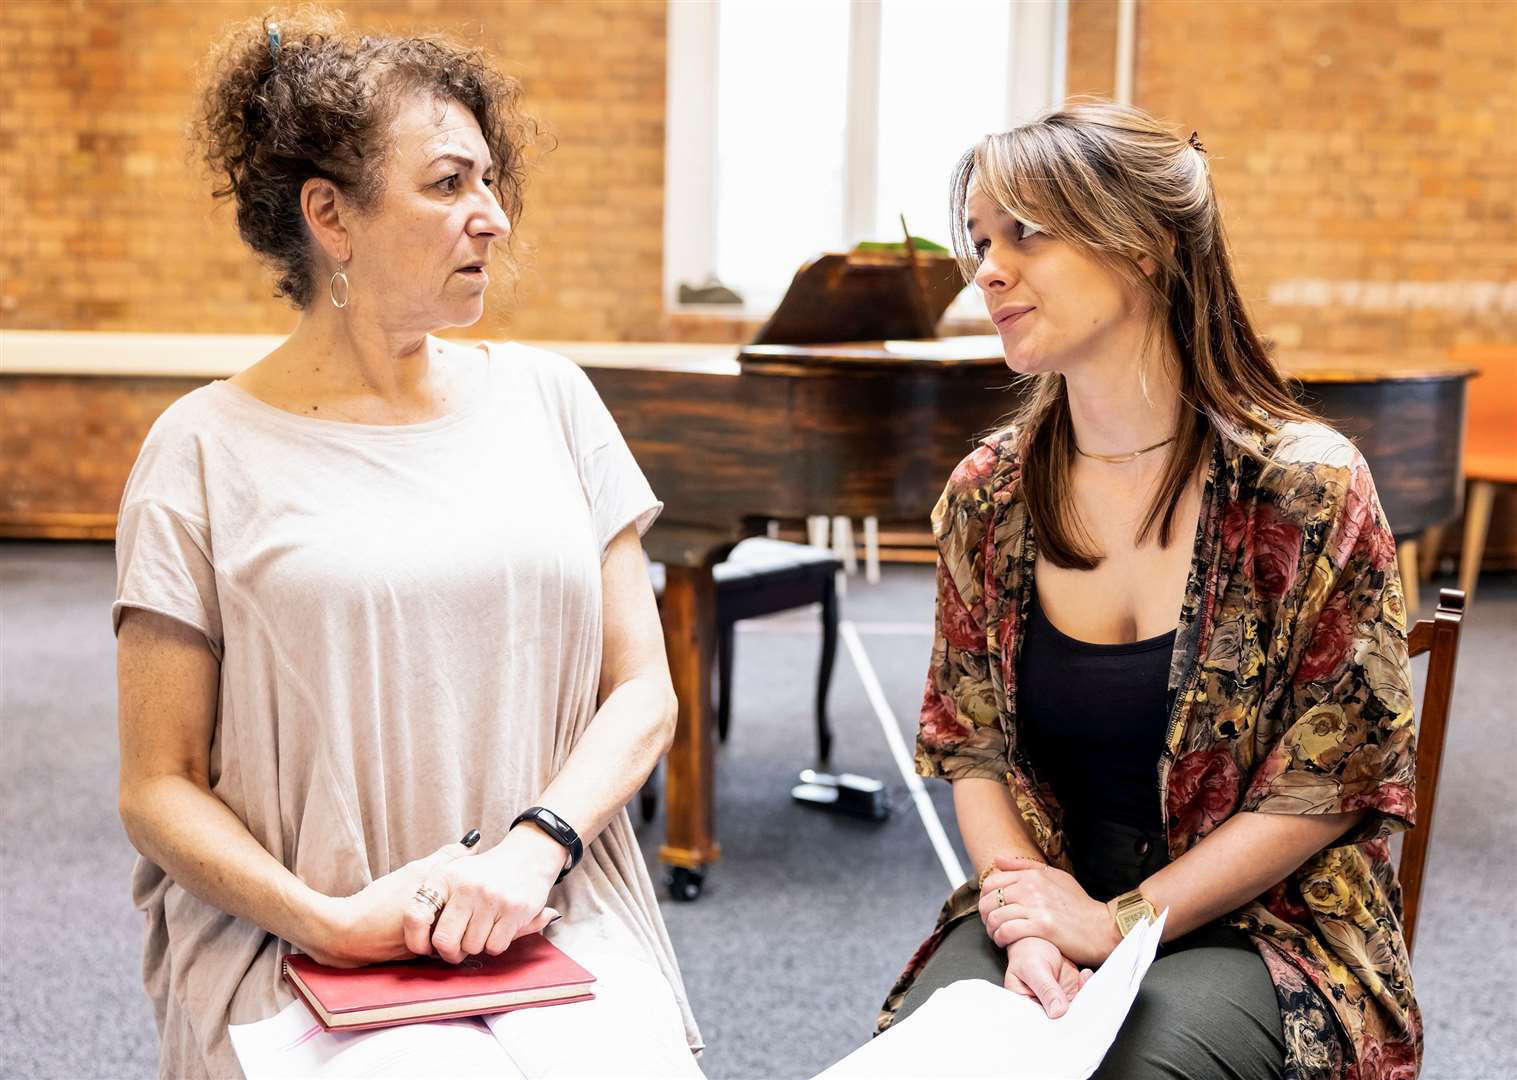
column 805, row 920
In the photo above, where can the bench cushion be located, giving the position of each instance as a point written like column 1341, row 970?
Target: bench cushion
column 760, row 562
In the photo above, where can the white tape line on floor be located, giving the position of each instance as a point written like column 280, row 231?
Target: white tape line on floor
column 903, row 760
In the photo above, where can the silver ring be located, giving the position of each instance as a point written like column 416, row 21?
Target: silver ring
column 1000, row 898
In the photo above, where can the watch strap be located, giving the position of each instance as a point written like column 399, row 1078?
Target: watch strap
column 557, row 828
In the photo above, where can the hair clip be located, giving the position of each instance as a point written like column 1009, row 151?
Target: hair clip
column 1195, row 141
column 273, row 29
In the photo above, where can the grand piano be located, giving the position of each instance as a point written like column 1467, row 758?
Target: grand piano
column 785, row 429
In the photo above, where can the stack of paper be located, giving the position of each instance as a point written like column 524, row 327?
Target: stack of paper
column 978, row 1029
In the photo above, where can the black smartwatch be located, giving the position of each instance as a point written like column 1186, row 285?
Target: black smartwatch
column 558, row 829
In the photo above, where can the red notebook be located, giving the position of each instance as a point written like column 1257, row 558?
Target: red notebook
column 532, row 972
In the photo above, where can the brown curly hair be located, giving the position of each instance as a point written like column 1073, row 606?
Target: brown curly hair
column 318, row 106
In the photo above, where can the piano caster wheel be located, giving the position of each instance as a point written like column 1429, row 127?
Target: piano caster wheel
column 685, row 884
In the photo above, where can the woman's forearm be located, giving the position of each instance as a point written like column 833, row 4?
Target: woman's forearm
column 623, row 742
column 989, row 823
column 1246, row 856
column 197, row 840
column 167, row 691
column 634, row 721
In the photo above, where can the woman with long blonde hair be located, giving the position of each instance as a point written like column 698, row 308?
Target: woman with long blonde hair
column 1169, row 670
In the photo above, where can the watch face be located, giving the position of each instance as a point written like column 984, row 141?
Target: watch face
column 555, row 823
column 1132, row 908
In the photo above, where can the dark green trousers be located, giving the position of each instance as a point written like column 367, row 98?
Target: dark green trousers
column 1207, row 1008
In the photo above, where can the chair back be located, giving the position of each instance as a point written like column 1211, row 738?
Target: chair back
column 1490, row 423
column 1439, row 637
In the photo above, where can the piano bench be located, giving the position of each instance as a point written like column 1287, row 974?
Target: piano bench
column 762, row 577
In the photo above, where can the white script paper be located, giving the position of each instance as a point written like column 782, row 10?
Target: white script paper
column 975, row 1028
column 631, row 1030
column 292, row 1044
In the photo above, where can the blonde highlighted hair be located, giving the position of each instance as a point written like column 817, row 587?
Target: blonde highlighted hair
column 1113, row 181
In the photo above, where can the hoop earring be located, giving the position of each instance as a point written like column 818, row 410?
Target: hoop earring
column 332, row 289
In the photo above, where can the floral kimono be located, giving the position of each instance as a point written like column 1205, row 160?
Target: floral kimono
column 1294, row 697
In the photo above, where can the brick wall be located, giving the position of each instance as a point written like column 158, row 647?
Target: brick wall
column 1365, row 154
column 1366, row 157
column 70, row 487
column 107, row 227
column 1092, row 57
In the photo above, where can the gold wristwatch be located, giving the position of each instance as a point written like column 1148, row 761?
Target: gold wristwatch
column 1130, row 909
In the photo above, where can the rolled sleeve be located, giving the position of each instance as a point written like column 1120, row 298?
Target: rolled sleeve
column 163, row 565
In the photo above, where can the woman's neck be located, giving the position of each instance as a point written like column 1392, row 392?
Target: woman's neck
column 346, row 356
column 1123, row 401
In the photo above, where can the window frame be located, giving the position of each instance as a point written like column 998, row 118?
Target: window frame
column 1037, row 65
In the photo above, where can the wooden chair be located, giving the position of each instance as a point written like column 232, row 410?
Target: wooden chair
column 1490, row 454
column 1439, row 637
column 1490, row 447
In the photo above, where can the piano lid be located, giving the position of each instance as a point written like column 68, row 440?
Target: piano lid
column 864, row 296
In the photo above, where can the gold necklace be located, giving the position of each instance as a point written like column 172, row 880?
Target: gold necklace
column 1122, row 459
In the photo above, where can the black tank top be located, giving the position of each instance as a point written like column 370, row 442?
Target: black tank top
column 1093, row 720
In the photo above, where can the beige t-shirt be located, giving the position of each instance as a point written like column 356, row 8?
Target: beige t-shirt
column 408, row 620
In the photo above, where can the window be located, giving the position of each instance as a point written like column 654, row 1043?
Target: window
column 802, row 126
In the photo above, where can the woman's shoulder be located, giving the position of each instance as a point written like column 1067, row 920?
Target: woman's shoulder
column 190, row 415
column 552, row 369
column 982, row 486
column 550, row 377
column 171, row 465
column 182, row 430
column 1310, row 444
column 1305, row 458
column 987, row 476
column 1314, row 477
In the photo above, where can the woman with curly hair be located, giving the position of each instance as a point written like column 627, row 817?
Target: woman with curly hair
column 379, row 591
column 1169, row 668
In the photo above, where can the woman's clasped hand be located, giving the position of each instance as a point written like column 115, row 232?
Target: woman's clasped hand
column 489, row 899
column 1036, row 968
column 1053, row 932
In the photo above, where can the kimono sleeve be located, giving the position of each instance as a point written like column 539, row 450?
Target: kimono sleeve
column 1349, row 740
column 615, row 487
column 163, row 541
column 960, row 733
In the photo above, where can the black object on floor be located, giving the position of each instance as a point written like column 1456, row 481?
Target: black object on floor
column 845, row 793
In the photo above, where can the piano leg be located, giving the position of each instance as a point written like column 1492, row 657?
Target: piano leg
column 689, row 617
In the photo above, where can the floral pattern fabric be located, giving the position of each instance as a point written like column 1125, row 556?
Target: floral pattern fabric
column 1293, row 696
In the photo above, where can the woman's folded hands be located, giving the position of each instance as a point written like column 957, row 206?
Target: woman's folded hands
column 488, row 899
column 1053, row 932
column 1025, row 898
column 369, row 926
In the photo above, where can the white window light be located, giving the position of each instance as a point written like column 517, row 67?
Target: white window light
column 802, row 126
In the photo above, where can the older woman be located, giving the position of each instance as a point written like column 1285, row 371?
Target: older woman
column 1170, row 665
column 379, row 591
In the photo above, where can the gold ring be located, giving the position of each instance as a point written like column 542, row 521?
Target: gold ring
column 430, row 897
column 1000, row 898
